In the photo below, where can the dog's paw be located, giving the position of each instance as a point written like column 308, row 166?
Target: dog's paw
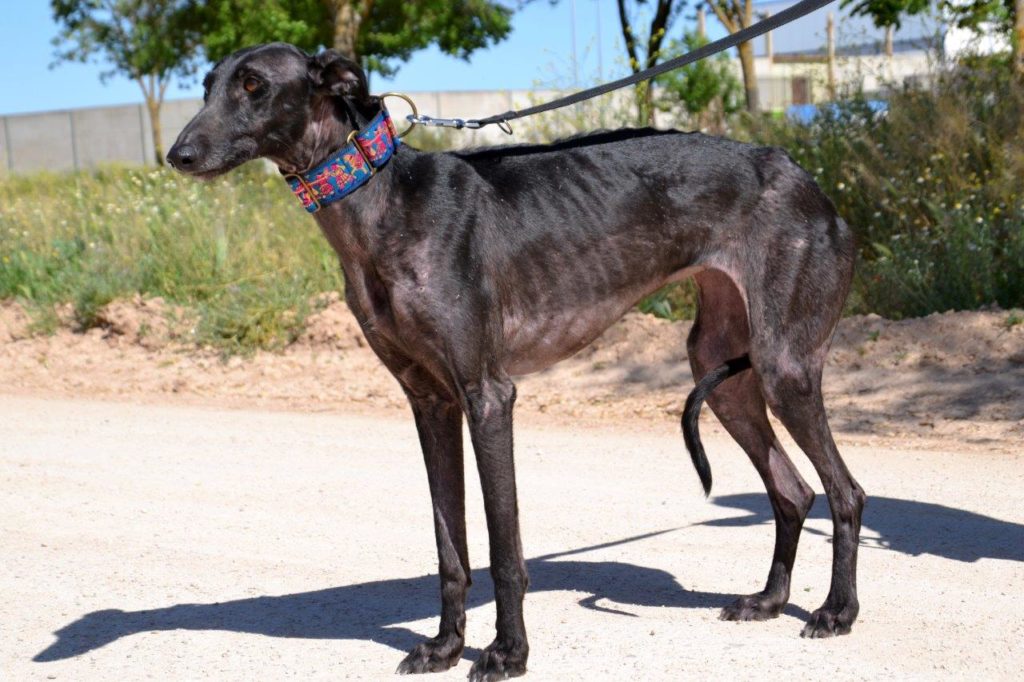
column 432, row 656
column 830, row 621
column 500, row 662
column 758, row 606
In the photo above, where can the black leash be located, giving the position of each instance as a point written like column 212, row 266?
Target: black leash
column 792, row 13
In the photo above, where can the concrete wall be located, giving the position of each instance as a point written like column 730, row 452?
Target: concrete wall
column 85, row 138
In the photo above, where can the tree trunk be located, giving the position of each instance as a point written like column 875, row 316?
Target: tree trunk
column 1018, row 37
column 746, row 51
column 645, row 103
column 154, row 122
column 347, row 21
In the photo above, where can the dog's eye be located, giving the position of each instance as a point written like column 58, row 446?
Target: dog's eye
column 251, row 84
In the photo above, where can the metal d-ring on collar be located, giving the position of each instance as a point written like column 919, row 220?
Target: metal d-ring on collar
column 412, row 118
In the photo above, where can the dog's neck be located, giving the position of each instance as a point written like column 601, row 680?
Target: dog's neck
column 331, row 122
column 353, row 225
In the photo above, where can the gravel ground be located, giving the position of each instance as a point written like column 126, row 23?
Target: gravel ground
column 188, row 542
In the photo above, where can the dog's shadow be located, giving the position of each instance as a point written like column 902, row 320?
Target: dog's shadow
column 906, row 526
column 374, row 610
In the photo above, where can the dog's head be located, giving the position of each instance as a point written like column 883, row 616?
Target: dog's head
column 273, row 101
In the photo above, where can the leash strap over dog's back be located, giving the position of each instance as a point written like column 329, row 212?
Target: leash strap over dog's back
column 800, row 9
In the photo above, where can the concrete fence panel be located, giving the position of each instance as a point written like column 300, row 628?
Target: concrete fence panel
column 109, row 135
column 41, row 142
column 5, row 149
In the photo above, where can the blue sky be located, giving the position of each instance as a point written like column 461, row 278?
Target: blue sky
column 537, row 52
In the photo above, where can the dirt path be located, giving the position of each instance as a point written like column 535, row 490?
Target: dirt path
column 945, row 381
column 190, row 542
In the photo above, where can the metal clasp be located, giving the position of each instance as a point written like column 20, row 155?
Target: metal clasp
column 457, row 123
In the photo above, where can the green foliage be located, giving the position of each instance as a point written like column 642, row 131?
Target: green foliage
column 931, row 187
column 389, row 31
column 229, row 25
column 886, row 12
column 137, row 38
column 238, row 251
column 148, row 41
column 707, row 90
column 964, row 13
column 397, row 28
column 673, row 302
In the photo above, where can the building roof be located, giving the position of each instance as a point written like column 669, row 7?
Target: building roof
column 854, row 35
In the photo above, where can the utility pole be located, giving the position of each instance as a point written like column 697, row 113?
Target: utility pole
column 575, row 64
column 830, row 33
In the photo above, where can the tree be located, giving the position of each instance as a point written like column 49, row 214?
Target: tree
column 665, row 14
column 1005, row 16
column 737, row 15
column 379, row 34
column 707, row 89
column 149, row 41
column 232, row 24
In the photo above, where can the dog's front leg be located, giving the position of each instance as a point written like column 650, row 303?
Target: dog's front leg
column 488, row 407
column 439, row 423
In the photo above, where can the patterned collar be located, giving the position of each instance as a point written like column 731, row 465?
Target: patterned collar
column 349, row 168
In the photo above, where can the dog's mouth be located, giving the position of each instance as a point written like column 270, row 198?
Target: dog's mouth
column 206, row 175
column 210, row 173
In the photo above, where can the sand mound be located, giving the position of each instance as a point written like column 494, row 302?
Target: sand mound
column 952, row 377
column 14, row 322
column 333, row 326
column 147, row 322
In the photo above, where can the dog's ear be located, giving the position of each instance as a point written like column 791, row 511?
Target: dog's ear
column 337, row 76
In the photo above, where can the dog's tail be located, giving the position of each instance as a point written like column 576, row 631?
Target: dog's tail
column 691, row 414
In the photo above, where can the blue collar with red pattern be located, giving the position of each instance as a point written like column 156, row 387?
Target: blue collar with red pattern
column 349, row 168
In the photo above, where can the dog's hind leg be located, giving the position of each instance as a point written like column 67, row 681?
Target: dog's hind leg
column 793, row 390
column 795, row 303
column 439, row 424
column 722, row 333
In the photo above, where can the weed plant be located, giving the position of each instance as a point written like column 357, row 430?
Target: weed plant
column 933, row 186
column 239, row 251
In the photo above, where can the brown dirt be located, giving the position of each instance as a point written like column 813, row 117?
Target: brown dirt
column 955, row 379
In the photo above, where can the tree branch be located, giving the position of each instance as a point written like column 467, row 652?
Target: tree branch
column 723, row 16
column 628, row 36
column 659, row 26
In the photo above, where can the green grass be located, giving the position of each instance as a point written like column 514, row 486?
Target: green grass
column 238, row 251
column 932, row 189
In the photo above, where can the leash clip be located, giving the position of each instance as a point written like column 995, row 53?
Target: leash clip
column 457, row 123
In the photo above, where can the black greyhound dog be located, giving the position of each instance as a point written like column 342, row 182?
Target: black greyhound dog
column 465, row 269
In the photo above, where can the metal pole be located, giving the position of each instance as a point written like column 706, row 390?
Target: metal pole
column 74, row 141
column 142, row 134
column 7, row 145
column 830, row 32
column 575, row 68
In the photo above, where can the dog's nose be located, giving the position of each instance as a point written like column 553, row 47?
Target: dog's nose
column 182, row 156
